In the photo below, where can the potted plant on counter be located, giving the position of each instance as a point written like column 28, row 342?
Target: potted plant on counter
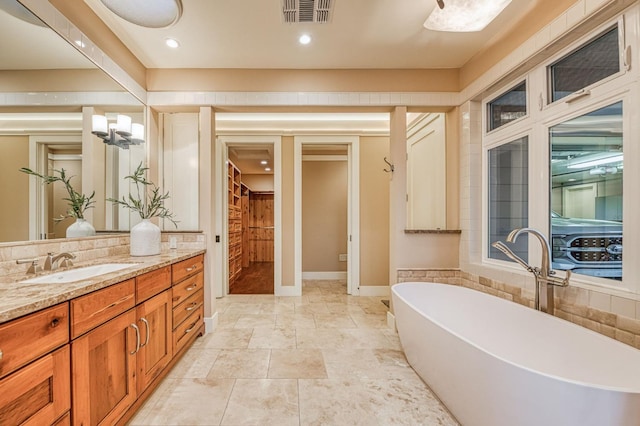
column 148, row 201
column 78, row 203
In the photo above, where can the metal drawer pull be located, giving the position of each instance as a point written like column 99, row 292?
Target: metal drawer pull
column 146, row 324
column 135, row 327
column 192, row 306
column 0, row 354
column 192, row 268
column 192, row 287
column 191, row 327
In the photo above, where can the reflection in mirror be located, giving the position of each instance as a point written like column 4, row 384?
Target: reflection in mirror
column 48, row 92
column 586, row 193
column 426, row 171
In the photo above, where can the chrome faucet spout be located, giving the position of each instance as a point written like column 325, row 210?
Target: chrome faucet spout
column 544, row 276
column 545, row 266
column 511, row 255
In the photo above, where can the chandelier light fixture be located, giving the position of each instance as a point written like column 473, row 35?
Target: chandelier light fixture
column 464, row 15
column 122, row 133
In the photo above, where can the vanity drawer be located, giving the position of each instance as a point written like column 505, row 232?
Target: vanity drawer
column 152, row 283
column 27, row 338
column 39, row 393
column 186, row 288
column 188, row 267
column 188, row 329
column 90, row 311
column 186, row 308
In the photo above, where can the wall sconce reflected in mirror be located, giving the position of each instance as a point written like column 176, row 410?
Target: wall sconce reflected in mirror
column 122, row 133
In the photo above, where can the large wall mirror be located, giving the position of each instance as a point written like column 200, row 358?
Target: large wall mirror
column 48, row 94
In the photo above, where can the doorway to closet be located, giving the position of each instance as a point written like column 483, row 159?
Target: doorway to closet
column 251, row 219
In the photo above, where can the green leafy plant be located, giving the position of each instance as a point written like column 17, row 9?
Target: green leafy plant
column 148, row 201
column 78, row 203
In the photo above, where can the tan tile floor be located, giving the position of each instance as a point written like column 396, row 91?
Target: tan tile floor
column 324, row 358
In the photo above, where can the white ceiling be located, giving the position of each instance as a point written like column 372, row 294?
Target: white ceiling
column 252, row 34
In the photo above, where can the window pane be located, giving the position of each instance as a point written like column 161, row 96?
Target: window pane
column 508, row 107
column 589, row 64
column 586, row 193
column 508, row 195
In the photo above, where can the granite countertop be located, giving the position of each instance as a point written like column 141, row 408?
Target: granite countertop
column 18, row 299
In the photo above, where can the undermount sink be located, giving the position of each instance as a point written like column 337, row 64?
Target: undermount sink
column 78, row 274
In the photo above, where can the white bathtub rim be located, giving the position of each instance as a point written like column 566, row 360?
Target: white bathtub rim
column 619, row 389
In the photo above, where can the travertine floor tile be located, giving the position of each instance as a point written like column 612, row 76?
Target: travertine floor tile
column 297, row 364
column 228, row 339
column 324, row 358
column 334, row 321
column 195, row 364
column 263, row 402
column 335, row 402
column 189, row 402
column 296, row 321
column 241, row 364
column 268, row 338
column 406, row 401
column 256, row 320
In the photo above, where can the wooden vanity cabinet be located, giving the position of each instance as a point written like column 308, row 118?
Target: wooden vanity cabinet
column 156, row 349
column 114, row 363
column 188, row 301
column 35, row 383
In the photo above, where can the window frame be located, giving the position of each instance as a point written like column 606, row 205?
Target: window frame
column 487, row 104
column 623, row 86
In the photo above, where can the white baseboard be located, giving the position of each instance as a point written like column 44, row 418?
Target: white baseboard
column 211, row 323
column 391, row 321
column 288, row 290
column 374, row 290
column 331, row 275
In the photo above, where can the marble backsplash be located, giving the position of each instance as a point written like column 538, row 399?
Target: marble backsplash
column 571, row 303
column 85, row 249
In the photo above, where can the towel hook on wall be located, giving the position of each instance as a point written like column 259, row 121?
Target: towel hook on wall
column 391, row 167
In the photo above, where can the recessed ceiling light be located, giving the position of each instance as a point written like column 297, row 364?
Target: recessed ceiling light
column 305, row 39
column 267, row 169
column 172, row 43
column 149, row 14
column 264, row 162
column 465, row 15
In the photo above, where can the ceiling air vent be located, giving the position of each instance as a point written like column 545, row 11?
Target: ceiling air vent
column 318, row 11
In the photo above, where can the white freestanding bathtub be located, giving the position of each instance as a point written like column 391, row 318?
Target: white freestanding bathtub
column 496, row 363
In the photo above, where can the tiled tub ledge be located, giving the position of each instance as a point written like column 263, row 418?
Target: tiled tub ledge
column 570, row 302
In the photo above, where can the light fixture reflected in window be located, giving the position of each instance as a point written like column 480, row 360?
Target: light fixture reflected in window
column 464, row 15
column 122, row 133
column 589, row 161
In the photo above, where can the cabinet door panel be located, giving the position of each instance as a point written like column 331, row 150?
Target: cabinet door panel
column 38, row 393
column 154, row 320
column 103, row 366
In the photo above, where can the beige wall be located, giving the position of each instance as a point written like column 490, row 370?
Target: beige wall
column 374, row 212
column 288, row 208
column 14, row 188
column 324, row 215
column 288, row 80
column 85, row 80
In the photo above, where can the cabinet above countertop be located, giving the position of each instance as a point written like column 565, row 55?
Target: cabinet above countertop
column 18, row 298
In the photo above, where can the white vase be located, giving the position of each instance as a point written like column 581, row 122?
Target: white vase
column 145, row 239
column 80, row 228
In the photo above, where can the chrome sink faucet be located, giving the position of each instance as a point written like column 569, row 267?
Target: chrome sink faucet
column 64, row 259
column 544, row 276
